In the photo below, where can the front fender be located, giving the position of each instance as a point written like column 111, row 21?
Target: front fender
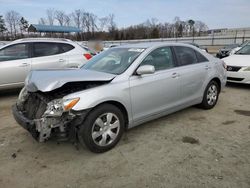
column 118, row 92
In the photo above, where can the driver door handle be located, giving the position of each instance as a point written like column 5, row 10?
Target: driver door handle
column 175, row 75
column 24, row 65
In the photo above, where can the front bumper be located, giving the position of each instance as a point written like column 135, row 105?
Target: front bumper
column 41, row 129
column 26, row 123
column 238, row 77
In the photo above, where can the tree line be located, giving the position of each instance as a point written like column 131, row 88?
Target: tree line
column 13, row 26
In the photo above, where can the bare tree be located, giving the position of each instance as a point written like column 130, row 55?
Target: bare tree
column 67, row 20
column 12, row 18
column 50, row 16
column 42, row 21
column 191, row 25
column 103, row 23
column 200, row 27
column 112, row 24
column 76, row 15
column 60, row 17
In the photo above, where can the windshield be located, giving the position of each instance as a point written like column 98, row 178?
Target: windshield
column 114, row 60
column 245, row 43
column 244, row 51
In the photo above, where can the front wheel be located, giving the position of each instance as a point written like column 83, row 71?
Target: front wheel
column 210, row 96
column 102, row 129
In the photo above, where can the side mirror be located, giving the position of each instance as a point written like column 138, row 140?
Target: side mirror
column 145, row 69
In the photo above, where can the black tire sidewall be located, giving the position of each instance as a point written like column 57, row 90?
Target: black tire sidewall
column 85, row 131
column 204, row 103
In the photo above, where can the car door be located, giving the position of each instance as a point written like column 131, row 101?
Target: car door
column 152, row 94
column 193, row 72
column 48, row 55
column 15, row 64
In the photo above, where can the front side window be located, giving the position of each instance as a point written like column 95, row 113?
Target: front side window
column 14, row 52
column 185, row 55
column 46, row 49
column 160, row 58
column 114, row 61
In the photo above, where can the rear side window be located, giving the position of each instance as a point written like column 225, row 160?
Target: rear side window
column 201, row 58
column 185, row 55
column 14, row 52
column 46, row 49
column 66, row 47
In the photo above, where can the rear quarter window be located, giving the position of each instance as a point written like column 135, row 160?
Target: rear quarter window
column 66, row 47
column 200, row 58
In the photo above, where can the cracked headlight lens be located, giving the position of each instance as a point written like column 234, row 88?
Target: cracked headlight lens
column 54, row 108
column 58, row 106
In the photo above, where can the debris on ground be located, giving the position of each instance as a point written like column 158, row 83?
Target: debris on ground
column 228, row 122
column 190, row 140
column 243, row 112
column 13, row 155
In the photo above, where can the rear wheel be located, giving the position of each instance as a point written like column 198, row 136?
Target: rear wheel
column 210, row 96
column 102, row 129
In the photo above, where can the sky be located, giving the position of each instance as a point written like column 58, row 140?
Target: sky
column 215, row 13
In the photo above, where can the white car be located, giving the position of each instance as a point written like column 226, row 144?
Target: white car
column 19, row 57
column 238, row 66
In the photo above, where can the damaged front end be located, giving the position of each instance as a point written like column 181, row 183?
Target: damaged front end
column 42, row 108
column 45, row 115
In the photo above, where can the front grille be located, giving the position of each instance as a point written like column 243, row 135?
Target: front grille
column 35, row 106
column 235, row 79
column 233, row 68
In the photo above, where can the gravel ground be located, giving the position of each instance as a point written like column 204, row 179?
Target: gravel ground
column 190, row 148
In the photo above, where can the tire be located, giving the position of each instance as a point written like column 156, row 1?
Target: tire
column 210, row 96
column 102, row 129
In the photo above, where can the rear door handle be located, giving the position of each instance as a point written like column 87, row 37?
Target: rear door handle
column 207, row 67
column 61, row 60
column 24, row 65
column 175, row 75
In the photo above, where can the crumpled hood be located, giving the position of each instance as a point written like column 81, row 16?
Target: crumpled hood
column 48, row 80
column 237, row 60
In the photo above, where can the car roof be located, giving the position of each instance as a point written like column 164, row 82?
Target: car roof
column 41, row 40
column 153, row 44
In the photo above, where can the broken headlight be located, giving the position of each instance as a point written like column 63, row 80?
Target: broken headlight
column 58, row 106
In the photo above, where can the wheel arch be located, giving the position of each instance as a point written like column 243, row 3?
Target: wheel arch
column 120, row 106
column 217, row 80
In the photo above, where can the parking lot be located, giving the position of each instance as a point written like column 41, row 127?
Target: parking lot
column 191, row 148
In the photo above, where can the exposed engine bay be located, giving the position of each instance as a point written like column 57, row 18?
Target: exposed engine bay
column 44, row 114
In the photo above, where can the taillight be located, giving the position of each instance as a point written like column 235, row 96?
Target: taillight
column 87, row 56
column 224, row 65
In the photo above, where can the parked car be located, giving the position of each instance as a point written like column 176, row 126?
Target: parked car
column 233, row 51
column 198, row 46
column 92, row 52
column 18, row 58
column 238, row 66
column 118, row 89
column 225, row 51
column 110, row 46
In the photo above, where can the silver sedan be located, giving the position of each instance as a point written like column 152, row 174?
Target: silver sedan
column 118, row 89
